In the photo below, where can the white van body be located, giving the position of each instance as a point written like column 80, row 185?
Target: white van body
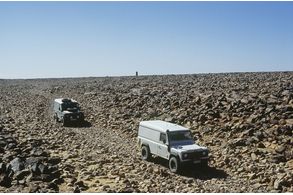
column 166, row 139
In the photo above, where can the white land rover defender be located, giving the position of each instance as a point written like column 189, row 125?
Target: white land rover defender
column 67, row 111
column 172, row 142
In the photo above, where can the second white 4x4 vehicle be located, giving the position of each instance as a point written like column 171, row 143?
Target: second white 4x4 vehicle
column 67, row 111
column 172, row 142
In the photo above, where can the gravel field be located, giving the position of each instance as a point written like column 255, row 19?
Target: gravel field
column 245, row 119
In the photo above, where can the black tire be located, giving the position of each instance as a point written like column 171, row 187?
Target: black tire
column 64, row 122
column 81, row 121
column 204, row 164
column 174, row 164
column 145, row 153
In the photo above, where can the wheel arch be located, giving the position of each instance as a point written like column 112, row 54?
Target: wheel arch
column 174, row 155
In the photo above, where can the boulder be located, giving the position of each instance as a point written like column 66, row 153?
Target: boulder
column 17, row 164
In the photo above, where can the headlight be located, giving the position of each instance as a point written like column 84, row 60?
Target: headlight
column 185, row 155
column 204, row 153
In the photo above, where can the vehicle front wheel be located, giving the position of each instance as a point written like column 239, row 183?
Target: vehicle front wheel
column 204, row 164
column 145, row 153
column 56, row 118
column 174, row 164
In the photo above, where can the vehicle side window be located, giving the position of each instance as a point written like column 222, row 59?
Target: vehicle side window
column 163, row 137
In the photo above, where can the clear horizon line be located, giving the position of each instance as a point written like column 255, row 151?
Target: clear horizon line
column 163, row 74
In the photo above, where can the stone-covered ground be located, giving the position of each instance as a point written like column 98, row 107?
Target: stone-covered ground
column 245, row 119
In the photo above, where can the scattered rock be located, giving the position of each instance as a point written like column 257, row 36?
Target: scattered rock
column 17, row 164
column 243, row 118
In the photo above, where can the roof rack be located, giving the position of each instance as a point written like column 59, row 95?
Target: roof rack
column 66, row 100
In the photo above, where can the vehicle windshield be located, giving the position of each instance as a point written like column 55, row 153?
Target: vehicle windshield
column 70, row 106
column 181, row 136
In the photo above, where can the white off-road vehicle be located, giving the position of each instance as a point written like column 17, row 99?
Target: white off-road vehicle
column 67, row 111
column 172, row 142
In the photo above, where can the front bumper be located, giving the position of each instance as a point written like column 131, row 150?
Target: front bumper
column 195, row 161
column 195, row 157
column 73, row 118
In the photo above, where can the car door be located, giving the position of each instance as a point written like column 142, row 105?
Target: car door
column 162, row 147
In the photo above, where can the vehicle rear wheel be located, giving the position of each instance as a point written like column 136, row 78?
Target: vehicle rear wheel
column 145, row 153
column 56, row 118
column 64, row 122
column 174, row 164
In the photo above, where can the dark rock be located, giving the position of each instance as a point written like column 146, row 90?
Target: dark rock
column 289, row 153
column 259, row 135
column 47, row 177
column 10, row 140
column 43, row 168
column 10, row 146
column 54, row 160
column 53, row 186
column 56, row 174
column 17, row 164
column 285, row 130
column 277, row 158
column 21, row 174
column 277, row 184
column 5, row 181
column 2, row 168
column 261, row 145
column 3, row 143
column 238, row 142
column 202, row 118
column 34, row 168
column 80, row 184
column 76, row 189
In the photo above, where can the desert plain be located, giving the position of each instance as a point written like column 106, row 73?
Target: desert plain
column 244, row 119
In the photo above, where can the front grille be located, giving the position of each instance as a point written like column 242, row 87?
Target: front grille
column 196, row 155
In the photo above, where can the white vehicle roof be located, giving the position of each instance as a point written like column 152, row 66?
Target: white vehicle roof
column 59, row 100
column 162, row 126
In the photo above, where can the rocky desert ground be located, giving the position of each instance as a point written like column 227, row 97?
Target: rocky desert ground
column 245, row 119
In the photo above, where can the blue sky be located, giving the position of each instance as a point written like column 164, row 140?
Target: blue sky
column 75, row 39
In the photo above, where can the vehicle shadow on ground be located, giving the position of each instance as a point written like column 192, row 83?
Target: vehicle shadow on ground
column 80, row 125
column 206, row 173
column 195, row 171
